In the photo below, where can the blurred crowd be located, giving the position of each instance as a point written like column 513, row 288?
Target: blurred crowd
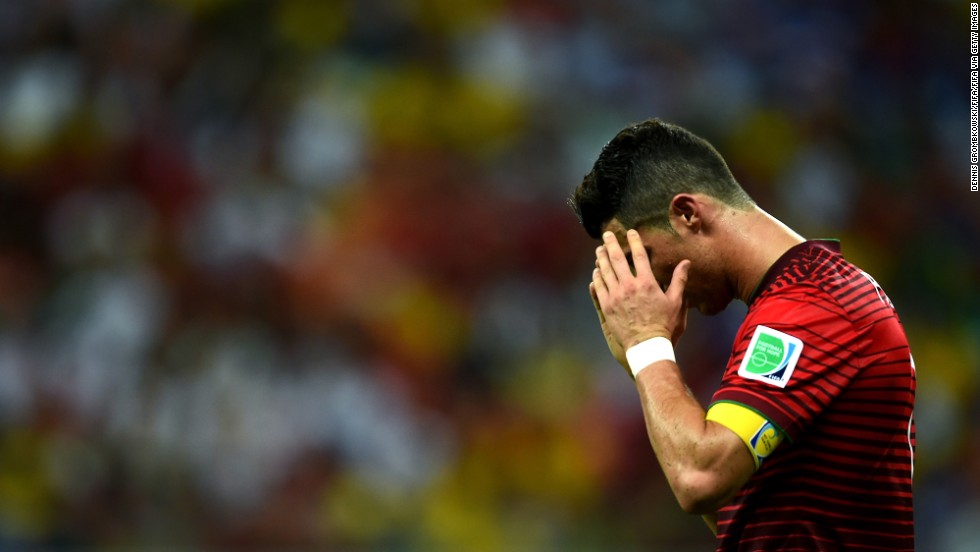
column 300, row 274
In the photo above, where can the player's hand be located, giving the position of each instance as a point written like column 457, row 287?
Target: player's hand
column 614, row 347
column 634, row 306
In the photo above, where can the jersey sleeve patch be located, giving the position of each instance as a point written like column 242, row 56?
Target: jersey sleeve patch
column 759, row 434
column 771, row 357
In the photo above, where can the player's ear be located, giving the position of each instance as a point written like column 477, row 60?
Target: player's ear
column 685, row 213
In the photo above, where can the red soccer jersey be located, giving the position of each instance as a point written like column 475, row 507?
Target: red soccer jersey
column 837, row 377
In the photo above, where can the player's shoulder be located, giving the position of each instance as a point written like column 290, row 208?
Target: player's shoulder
column 810, row 288
column 821, row 291
column 817, row 270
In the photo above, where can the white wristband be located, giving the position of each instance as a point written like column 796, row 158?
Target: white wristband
column 647, row 352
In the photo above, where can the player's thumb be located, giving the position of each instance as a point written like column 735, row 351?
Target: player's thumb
column 678, row 280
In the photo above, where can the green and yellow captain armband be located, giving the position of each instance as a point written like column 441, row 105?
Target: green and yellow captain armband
column 759, row 434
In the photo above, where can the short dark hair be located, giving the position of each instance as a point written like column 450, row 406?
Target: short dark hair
column 640, row 171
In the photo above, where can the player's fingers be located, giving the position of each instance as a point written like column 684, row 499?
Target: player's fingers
column 641, row 262
column 604, row 265
column 617, row 259
column 675, row 291
column 595, row 301
column 600, row 291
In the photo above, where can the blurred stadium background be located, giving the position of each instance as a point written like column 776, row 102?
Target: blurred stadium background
column 300, row 275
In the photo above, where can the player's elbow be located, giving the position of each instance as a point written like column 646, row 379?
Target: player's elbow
column 702, row 492
column 711, row 474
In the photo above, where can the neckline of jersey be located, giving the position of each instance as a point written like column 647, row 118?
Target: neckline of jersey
column 830, row 244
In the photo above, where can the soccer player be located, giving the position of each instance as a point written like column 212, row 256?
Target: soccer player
column 808, row 443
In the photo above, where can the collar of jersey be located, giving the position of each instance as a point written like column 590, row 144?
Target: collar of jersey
column 829, row 244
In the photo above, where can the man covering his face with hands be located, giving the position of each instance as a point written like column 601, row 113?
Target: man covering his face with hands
column 808, row 443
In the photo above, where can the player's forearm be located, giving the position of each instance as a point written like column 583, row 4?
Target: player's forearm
column 687, row 447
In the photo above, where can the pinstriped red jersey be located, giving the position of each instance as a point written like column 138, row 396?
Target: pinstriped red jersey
column 843, row 479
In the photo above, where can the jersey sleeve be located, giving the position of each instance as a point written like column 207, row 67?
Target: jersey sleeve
column 791, row 358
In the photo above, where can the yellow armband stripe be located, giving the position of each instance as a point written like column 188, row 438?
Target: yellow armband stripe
column 759, row 434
